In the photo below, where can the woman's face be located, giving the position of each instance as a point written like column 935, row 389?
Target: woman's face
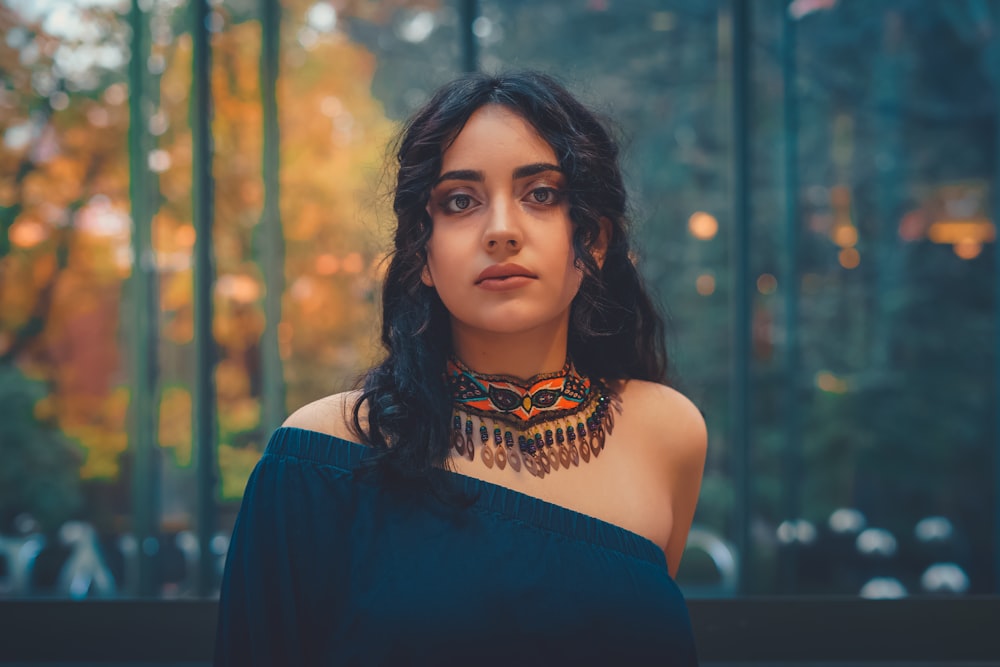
column 500, row 254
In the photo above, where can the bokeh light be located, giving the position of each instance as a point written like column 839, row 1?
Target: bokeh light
column 705, row 284
column 849, row 258
column 703, row 225
column 767, row 283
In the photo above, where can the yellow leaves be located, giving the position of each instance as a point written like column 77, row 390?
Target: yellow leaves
column 175, row 183
column 175, row 423
column 95, row 258
column 8, row 193
column 35, row 189
column 42, row 269
column 235, row 466
column 231, row 379
column 237, row 327
column 163, row 228
column 179, row 328
column 82, row 139
column 239, row 416
column 17, row 298
column 102, row 451
column 332, row 135
column 237, row 132
column 44, row 409
column 65, row 177
column 307, row 223
column 285, row 335
column 252, row 194
column 97, row 423
column 175, row 82
column 176, row 291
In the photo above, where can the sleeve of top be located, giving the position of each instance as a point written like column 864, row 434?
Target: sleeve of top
column 274, row 590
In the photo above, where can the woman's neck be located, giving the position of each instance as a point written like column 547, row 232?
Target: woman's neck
column 521, row 355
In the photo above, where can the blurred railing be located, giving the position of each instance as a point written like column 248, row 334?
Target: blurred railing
column 843, row 556
column 78, row 564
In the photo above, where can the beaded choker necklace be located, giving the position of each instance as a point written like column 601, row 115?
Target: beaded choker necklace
column 548, row 422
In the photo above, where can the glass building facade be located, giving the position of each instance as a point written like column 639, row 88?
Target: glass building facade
column 194, row 214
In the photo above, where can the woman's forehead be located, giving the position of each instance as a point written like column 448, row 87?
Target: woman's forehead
column 496, row 136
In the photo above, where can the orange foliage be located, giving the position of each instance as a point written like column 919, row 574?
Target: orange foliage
column 61, row 162
column 175, row 423
column 75, row 193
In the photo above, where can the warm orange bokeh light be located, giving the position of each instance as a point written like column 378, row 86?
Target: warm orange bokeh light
column 849, row 258
column 239, row 288
column 962, row 231
column 766, row 283
column 705, row 284
column 327, row 264
column 185, row 236
column 353, row 263
column 968, row 249
column 27, row 233
column 827, row 381
column 846, row 236
column 703, row 225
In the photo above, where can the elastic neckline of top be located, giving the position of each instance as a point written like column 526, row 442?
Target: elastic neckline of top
column 327, row 449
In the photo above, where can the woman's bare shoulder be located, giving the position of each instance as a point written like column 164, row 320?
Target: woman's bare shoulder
column 667, row 416
column 332, row 414
column 674, row 440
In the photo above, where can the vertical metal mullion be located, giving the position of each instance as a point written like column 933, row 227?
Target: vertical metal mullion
column 469, row 12
column 204, row 343
column 996, row 316
column 143, row 307
column 793, row 429
column 889, row 75
column 739, row 435
column 271, row 240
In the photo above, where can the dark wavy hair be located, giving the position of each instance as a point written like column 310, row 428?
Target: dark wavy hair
column 615, row 330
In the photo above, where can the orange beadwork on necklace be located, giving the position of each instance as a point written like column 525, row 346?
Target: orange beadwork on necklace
column 548, row 422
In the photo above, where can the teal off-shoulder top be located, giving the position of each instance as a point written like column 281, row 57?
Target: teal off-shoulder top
column 329, row 566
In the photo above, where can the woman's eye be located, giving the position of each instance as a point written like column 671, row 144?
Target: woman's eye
column 544, row 196
column 458, row 203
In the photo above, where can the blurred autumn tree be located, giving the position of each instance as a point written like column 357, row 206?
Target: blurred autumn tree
column 333, row 134
column 64, row 235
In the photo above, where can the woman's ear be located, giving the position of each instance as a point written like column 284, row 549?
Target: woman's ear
column 599, row 249
column 425, row 276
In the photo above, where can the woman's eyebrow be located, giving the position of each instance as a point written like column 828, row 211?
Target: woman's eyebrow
column 532, row 169
column 479, row 176
column 461, row 175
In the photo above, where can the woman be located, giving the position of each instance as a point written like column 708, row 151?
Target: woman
column 515, row 481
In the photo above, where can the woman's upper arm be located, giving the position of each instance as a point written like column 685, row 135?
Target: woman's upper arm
column 683, row 451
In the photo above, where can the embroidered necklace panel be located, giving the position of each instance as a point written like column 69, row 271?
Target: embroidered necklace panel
column 546, row 423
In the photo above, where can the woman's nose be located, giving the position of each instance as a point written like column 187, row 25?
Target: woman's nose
column 503, row 229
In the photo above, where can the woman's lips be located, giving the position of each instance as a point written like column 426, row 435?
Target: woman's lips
column 499, row 277
column 502, row 284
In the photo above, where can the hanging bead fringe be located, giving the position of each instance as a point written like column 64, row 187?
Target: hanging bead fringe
column 542, row 448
